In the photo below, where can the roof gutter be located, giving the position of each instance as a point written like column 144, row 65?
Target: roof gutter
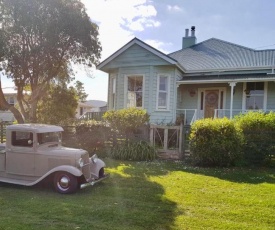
column 224, row 80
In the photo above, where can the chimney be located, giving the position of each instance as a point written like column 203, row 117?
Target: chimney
column 189, row 41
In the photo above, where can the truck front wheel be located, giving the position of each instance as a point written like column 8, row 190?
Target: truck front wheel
column 65, row 183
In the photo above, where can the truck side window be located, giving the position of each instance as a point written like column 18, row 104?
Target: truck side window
column 22, row 139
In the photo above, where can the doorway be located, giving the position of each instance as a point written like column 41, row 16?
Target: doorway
column 210, row 100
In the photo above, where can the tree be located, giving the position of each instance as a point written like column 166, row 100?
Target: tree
column 43, row 39
column 82, row 96
column 58, row 106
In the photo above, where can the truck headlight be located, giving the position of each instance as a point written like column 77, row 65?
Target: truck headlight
column 80, row 162
column 94, row 158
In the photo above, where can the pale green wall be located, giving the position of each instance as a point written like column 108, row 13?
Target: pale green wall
column 148, row 65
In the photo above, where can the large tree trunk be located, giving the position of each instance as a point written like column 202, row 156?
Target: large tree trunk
column 6, row 105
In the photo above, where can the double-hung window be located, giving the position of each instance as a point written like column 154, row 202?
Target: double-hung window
column 134, row 91
column 254, row 95
column 113, row 92
column 163, row 92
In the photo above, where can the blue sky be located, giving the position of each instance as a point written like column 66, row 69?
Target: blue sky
column 162, row 24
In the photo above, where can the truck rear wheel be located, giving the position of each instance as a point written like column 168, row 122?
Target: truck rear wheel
column 65, row 183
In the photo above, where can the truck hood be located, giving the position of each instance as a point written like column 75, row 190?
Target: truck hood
column 61, row 151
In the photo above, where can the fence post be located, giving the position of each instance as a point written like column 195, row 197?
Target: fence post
column 2, row 133
column 180, row 139
column 165, row 141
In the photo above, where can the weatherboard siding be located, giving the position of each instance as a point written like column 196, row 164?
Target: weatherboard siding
column 158, row 116
column 150, row 79
column 135, row 56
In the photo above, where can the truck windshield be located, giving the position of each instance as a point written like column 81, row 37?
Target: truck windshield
column 49, row 137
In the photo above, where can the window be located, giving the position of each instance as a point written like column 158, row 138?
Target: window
column 134, row 91
column 162, row 101
column 24, row 139
column 48, row 137
column 254, row 95
column 113, row 92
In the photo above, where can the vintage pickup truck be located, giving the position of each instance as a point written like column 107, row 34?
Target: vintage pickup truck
column 33, row 153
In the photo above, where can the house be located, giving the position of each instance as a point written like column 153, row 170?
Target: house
column 10, row 96
column 213, row 78
column 82, row 108
column 97, row 105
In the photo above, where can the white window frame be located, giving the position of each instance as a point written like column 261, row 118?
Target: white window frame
column 163, row 108
column 126, row 77
column 265, row 96
column 113, row 91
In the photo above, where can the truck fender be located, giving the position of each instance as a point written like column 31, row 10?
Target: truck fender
column 64, row 168
column 95, row 167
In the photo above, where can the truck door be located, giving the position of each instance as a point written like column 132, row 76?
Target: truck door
column 20, row 154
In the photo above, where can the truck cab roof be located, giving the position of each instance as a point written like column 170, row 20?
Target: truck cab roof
column 38, row 128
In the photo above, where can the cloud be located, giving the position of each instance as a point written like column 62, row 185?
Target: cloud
column 118, row 20
column 158, row 45
column 174, row 8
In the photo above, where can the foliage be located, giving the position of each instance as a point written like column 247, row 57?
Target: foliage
column 215, row 142
column 259, row 134
column 149, row 195
column 126, row 120
column 135, row 151
column 91, row 135
column 58, row 105
column 42, row 40
column 79, row 87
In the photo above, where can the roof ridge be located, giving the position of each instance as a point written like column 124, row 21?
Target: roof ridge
column 217, row 39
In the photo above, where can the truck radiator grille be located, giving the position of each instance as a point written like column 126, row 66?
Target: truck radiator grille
column 86, row 168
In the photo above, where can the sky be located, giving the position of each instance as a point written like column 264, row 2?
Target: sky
column 162, row 24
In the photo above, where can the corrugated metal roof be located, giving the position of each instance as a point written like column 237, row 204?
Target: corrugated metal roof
column 214, row 54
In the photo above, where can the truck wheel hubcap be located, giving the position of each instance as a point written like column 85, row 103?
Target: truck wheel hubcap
column 63, row 182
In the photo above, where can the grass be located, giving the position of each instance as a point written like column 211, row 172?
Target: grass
column 149, row 195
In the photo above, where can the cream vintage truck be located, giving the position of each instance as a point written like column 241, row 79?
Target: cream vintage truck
column 33, row 153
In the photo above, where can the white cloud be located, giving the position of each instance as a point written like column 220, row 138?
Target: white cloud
column 174, row 8
column 119, row 19
column 158, row 45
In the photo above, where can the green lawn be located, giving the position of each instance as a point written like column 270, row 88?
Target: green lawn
column 156, row 195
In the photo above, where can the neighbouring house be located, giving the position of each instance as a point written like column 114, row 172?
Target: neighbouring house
column 10, row 95
column 98, row 105
column 213, row 78
column 82, row 108
column 91, row 109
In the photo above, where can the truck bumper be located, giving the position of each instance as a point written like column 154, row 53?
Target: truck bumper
column 93, row 182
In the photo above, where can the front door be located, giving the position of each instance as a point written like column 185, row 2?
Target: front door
column 211, row 103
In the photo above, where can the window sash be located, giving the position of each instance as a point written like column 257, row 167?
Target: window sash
column 254, row 97
column 135, row 91
column 163, row 85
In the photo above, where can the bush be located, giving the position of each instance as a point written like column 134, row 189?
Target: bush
column 91, row 136
column 259, row 134
column 135, row 151
column 126, row 121
column 215, row 142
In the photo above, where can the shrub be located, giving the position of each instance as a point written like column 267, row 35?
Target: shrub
column 215, row 142
column 126, row 121
column 259, row 134
column 91, row 136
column 135, row 151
